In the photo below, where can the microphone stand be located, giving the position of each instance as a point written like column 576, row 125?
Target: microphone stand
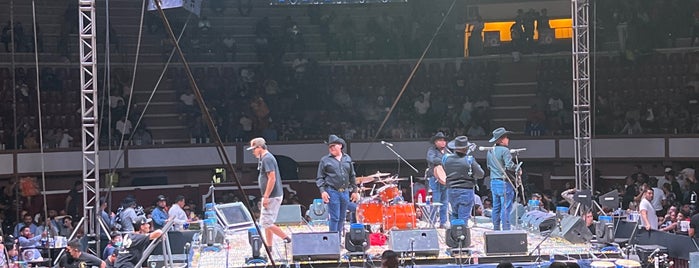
column 400, row 158
column 538, row 247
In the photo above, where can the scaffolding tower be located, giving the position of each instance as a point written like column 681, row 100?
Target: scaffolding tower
column 582, row 118
column 89, row 119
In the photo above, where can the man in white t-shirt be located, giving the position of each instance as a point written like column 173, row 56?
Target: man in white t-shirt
column 658, row 196
column 650, row 219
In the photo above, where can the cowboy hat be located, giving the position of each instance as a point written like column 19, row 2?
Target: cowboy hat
column 438, row 135
column 460, row 142
column 498, row 133
column 334, row 139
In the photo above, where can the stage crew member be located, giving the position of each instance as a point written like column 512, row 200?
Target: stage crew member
column 270, row 183
column 336, row 182
column 501, row 185
column 133, row 244
column 438, row 185
column 462, row 172
column 78, row 258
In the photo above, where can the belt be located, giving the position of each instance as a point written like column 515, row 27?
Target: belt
column 496, row 179
column 341, row 189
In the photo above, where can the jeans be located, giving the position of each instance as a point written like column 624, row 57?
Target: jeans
column 439, row 194
column 503, row 195
column 352, row 207
column 337, row 208
column 461, row 201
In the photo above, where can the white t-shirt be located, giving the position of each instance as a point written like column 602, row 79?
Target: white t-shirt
column 658, row 197
column 648, row 207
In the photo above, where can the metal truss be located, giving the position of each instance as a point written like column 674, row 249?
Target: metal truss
column 89, row 119
column 582, row 120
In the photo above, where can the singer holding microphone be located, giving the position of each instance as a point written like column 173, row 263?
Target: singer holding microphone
column 500, row 161
column 437, row 185
column 462, row 172
column 336, row 182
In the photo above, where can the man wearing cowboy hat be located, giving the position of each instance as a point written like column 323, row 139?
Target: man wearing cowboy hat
column 500, row 160
column 336, row 181
column 438, row 187
column 462, row 172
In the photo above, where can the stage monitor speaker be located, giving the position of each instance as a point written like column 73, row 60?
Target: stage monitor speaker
column 424, row 242
column 458, row 237
column 234, row 216
column 513, row 242
column 604, row 232
column 316, row 246
column 573, row 229
column 539, row 221
column 289, row 215
column 610, row 200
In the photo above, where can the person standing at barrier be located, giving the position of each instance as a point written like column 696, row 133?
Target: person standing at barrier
column 645, row 208
column 438, row 184
column 270, row 183
column 462, row 172
column 159, row 214
column 336, row 181
column 501, row 185
column 133, row 244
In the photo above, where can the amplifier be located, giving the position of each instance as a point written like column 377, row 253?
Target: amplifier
column 512, row 242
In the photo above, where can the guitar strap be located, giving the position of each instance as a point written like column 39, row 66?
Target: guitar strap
column 491, row 157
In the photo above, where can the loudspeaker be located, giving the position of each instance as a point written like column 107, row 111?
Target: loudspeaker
column 604, row 232
column 511, row 242
column 423, row 242
column 572, row 229
column 539, row 221
column 645, row 252
column 157, row 261
column 289, row 215
column 316, row 246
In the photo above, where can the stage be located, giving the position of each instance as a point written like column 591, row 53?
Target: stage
column 238, row 249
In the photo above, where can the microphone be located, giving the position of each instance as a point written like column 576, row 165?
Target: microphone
column 387, row 143
column 481, row 148
column 517, row 150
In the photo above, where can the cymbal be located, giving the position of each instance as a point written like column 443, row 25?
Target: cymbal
column 360, row 180
column 379, row 174
column 393, row 179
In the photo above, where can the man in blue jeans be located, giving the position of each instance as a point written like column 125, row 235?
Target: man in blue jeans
column 500, row 160
column 462, row 172
column 438, row 185
column 336, row 181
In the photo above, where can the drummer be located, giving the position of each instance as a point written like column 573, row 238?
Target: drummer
column 462, row 172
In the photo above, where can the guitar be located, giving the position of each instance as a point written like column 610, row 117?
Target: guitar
column 440, row 174
column 515, row 177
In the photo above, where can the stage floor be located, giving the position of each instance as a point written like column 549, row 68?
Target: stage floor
column 239, row 250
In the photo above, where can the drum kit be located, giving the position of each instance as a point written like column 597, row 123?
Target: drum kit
column 384, row 206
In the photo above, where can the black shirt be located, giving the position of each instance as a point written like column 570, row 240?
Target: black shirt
column 132, row 250
column 694, row 224
column 85, row 260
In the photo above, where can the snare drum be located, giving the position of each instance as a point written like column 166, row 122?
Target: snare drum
column 624, row 263
column 388, row 192
column 602, row 264
column 399, row 216
column 370, row 212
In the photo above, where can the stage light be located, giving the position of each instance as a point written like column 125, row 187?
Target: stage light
column 317, row 211
column 256, row 244
column 357, row 239
column 458, row 235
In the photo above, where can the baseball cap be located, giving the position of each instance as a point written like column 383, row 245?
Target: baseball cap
column 668, row 169
column 141, row 220
column 161, row 198
column 256, row 142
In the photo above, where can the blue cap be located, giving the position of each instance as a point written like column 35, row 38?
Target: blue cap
column 456, row 222
column 252, row 230
column 356, row 226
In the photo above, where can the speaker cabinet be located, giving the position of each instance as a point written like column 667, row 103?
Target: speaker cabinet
column 492, row 39
column 316, row 246
column 458, row 237
column 423, row 242
column 573, row 229
column 539, row 221
column 513, row 242
column 289, row 215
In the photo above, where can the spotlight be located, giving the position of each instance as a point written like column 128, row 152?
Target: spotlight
column 458, row 236
column 357, row 239
column 256, row 243
column 318, row 211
